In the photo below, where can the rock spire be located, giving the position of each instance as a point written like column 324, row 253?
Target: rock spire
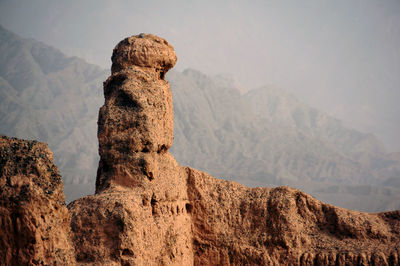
column 136, row 121
column 141, row 200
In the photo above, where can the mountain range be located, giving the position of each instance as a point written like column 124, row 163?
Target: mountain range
column 264, row 137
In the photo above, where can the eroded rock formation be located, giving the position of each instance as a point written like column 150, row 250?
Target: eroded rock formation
column 34, row 221
column 148, row 210
column 139, row 215
column 136, row 120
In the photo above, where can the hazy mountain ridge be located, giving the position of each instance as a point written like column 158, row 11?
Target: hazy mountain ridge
column 265, row 137
column 278, row 106
column 267, row 126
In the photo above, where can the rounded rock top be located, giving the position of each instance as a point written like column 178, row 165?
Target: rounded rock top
column 143, row 50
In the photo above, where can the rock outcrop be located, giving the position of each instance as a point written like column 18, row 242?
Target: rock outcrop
column 34, row 221
column 149, row 210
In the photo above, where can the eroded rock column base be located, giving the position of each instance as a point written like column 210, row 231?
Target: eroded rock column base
column 148, row 224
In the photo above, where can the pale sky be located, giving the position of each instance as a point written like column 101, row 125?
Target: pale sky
column 340, row 56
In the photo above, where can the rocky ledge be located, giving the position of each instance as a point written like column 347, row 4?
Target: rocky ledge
column 149, row 210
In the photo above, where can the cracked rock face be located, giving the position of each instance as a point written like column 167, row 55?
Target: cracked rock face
column 34, row 221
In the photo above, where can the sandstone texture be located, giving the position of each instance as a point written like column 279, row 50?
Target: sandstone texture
column 34, row 221
column 148, row 210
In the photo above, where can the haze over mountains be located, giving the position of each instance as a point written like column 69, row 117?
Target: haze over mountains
column 262, row 138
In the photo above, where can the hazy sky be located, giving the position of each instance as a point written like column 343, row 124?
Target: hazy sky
column 340, row 56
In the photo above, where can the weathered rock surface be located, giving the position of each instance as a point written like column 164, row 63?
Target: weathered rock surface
column 34, row 221
column 145, row 51
column 142, row 222
column 236, row 225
